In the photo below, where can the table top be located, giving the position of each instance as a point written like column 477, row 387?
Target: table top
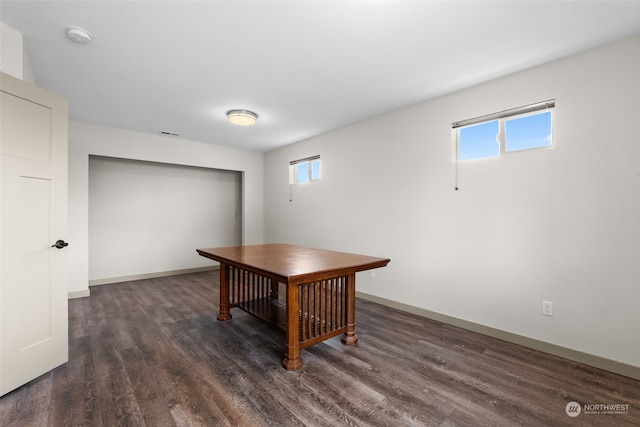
column 293, row 264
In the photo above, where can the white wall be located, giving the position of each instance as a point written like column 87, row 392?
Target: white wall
column 87, row 139
column 14, row 59
column 561, row 224
column 11, row 51
column 177, row 208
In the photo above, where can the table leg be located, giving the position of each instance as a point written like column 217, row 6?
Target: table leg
column 224, row 314
column 292, row 360
column 350, row 337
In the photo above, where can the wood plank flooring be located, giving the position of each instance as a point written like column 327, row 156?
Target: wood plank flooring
column 151, row 353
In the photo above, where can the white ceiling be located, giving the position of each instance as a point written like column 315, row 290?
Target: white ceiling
column 306, row 67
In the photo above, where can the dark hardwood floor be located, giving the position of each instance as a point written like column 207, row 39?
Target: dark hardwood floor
column 151, row 353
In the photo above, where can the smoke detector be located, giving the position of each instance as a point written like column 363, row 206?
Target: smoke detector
column 79, row 35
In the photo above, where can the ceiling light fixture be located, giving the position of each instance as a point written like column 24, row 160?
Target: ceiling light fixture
column 79, row 35
column 242, row 117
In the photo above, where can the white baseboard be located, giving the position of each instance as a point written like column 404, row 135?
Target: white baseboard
column 78, row 294
column 109, row 280
column 620, row 368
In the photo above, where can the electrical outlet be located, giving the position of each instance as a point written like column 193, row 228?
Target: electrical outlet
column 547, row 308
column 372, row 274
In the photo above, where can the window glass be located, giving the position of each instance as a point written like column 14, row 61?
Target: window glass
column 523, row 128
column 315, row 169
column 478, row 141
column 302, row 173
column 532, row 131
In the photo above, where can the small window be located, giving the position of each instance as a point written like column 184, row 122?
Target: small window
column 304, row 170
column 479, row 141
column 523, row 128
column 529, row 131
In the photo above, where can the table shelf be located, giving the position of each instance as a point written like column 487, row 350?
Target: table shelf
column 268, row 309
column 274, row 312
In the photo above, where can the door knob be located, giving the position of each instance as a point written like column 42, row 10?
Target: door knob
column 60, row 244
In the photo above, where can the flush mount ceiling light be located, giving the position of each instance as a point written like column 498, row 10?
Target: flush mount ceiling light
column 242, row 117
column 79, row 35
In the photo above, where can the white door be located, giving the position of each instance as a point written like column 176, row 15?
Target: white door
column 33, row 216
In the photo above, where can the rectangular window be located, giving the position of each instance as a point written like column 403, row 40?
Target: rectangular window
column 304, row 170
column 522, row 128
column 479, row 141
column 528, row 131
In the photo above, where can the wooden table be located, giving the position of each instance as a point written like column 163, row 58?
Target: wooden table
column 320, row 300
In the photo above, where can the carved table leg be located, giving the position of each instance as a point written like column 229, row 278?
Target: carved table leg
column 292, row 360
column 224, row 314
column 350, row 337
